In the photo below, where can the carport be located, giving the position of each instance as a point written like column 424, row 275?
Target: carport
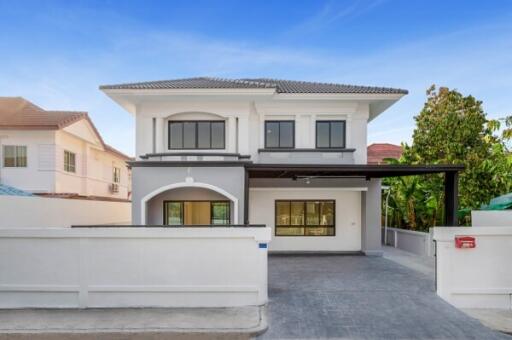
column 369, row 171
column 367, row 178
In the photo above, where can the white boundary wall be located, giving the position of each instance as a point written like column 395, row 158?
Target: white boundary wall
column 497, row 218
column 480, row 277
column 416, row 242
column 133, row 267
column 37, row 212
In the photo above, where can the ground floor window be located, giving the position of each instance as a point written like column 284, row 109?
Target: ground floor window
column 305, row 218
column 196, row 212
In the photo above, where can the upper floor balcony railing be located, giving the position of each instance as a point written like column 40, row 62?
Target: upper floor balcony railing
column 194, row 156
column 271, row 156
column 306, row 156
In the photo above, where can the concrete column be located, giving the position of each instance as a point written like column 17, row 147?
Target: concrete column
column 261, row 142
column 243, row 135
column 231, row 134
column 159, row 135
column 311, row 143
column 371, row 218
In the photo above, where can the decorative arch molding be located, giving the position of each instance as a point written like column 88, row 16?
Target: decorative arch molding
column 145, row 199
column 207, row 114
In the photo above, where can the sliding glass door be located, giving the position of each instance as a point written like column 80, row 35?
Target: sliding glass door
column 197, row 212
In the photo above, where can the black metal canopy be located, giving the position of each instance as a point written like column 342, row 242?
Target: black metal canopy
column 257, row 170
column 367, row 171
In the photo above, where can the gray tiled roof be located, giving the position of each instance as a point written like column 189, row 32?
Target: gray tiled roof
column 281, row 86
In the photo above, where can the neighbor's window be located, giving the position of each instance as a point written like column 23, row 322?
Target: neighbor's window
column 305, row 218
column 15, row 156
column 69, row 161
column 116, row 175
column 330, row 134
column 197, row 135
column 196, row 212
column 280, row 134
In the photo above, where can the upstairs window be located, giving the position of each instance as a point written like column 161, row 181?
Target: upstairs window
column 69, row 161
column 15, row 156
column 197, row 135
column 116, row 175
column 280, row 134
column 330, row 134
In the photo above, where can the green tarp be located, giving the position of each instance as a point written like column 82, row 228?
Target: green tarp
column 499, row 203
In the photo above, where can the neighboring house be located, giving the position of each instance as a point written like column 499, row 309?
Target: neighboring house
column 287, row 154
column 378, row 152
column 58, row 153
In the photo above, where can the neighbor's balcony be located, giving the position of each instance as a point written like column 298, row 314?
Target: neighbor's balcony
column 306, row 156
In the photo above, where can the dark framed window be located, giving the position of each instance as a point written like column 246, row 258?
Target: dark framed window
column 330, row 134
column 15, row 156
column 305, row 218
column 69, row 161
column 200, row 134
column 279, row 134
column 197, row 212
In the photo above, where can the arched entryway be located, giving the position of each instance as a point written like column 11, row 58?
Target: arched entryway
column 189, row 204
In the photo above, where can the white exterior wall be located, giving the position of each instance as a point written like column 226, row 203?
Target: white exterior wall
column 133, row 267
column 38, row 176
column 347, row 223
column 478, row 277
column 45, row 163
column 94, row 168
column 245, row 122
column 39, row 212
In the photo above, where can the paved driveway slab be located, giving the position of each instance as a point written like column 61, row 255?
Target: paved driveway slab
column 360, row 297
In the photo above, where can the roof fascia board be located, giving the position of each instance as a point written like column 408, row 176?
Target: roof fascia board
column 339, row 96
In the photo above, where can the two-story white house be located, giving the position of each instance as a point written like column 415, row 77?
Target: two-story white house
column 287, row 154
column 58, row 153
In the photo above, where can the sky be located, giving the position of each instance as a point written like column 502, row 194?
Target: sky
column 57, row 53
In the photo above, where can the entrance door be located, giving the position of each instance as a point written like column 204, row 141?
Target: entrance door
column 197, row 212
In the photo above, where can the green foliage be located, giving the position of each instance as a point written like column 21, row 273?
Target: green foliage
column 451, row 129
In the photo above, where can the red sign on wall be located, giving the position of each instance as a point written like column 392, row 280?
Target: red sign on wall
column 465, row 242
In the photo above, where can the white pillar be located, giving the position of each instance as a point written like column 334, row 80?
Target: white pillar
column 243, row 135
column 261, row 119
column 232, row 147
column 159, row 135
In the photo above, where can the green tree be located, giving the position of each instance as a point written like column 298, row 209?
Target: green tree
column 454, row 129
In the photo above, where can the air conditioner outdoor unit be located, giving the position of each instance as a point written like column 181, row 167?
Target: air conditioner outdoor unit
column 114, row 188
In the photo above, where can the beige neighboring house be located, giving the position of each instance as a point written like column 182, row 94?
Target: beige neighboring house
column 58, row 153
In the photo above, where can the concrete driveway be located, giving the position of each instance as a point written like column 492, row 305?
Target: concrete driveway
column 360, row 297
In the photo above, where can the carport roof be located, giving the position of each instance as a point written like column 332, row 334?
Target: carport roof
column 265, row 170
column 357, row 170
